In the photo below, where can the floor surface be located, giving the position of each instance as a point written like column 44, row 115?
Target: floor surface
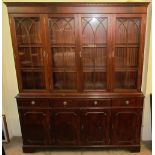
column 15, row 148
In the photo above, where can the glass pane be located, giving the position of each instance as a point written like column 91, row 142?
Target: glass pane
column 64, row 80
column 58, row 78
column 126, row 52
column 33, row 79
column 94, row 52
column 126, row 80
column 94, row 57
column 62, row 38
column 62, row 30
column 126, row 57
column 128, row 30
column 63, row 57
column 95, row 80
column 29, row 42
column 28, row 30
column 94, row 30
column 30, row 56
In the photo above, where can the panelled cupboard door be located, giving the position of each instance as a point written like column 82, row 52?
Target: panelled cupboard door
column 95, row 126
column 35, row 126
column 62, row 31
column 126, row 126
column 66, row 127
column 128, row 51
column 28, row 43
column 94, row 35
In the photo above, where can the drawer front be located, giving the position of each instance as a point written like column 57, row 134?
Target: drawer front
column 63, row 103
column 96, row 102
column 127, row 102
column 32, row 102
column 80, row 103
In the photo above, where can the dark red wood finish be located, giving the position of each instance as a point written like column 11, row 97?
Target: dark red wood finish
column 126, row 126
column 98, row 133
column 79, row 71
column 35, row 126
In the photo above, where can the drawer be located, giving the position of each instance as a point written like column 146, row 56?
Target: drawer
column 32, row 102
column 127, row 102
column 96, row 102
column 80, row 103
column 63, row 103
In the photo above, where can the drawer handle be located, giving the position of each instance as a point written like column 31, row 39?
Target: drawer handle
column 95, row 102
column 65, row 102
column 126, row 102
column 32, row 102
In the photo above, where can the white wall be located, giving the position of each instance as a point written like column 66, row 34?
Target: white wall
column 9, row 82
column 147, row 79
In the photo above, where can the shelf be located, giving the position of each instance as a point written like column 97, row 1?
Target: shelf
column 126, row 69
column 62, row 45
column 127, row 45
column 125, row 66
column 91, row 69
column 67, row 69
column 29, row 68
column 30, row 45
column 94, row 45
column 97, row 85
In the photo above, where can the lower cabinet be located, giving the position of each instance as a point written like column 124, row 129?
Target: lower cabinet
column 35, row 126
column 66, row 127
column 95, row 126
column 105, row 124
column 126, row 126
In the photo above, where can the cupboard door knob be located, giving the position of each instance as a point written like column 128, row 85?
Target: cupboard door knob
column 65, row 102
column 127, row 102
column 95, row 102
column 32, row 102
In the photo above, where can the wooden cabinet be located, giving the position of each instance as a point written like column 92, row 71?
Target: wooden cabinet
column 79, row 53
column 29, row 51
column 126, row 126
column 95, row 127
column 79, row 71
column 66, row 127
column 35, row 126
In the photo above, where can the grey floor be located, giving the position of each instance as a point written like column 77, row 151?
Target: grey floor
column 15, row 148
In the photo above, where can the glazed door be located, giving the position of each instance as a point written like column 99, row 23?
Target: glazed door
column 66, row 127
column 128, row 52
column 126, row 126
column 62, row 31
column 95, row 127
column 29, row 49
column 35, row 126
column 94, row 52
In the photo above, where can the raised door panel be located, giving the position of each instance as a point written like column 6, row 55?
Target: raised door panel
column 126, row 126
column 66, row 127
column 28, row 41
column 35, row 126
column 63, row 48
column 128, row 53
column 94, row 51
column 95, row 127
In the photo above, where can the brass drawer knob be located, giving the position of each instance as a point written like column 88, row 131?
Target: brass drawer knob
column 65, row 102
column 32, row 102
column 127, row 102
column 95, row 102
